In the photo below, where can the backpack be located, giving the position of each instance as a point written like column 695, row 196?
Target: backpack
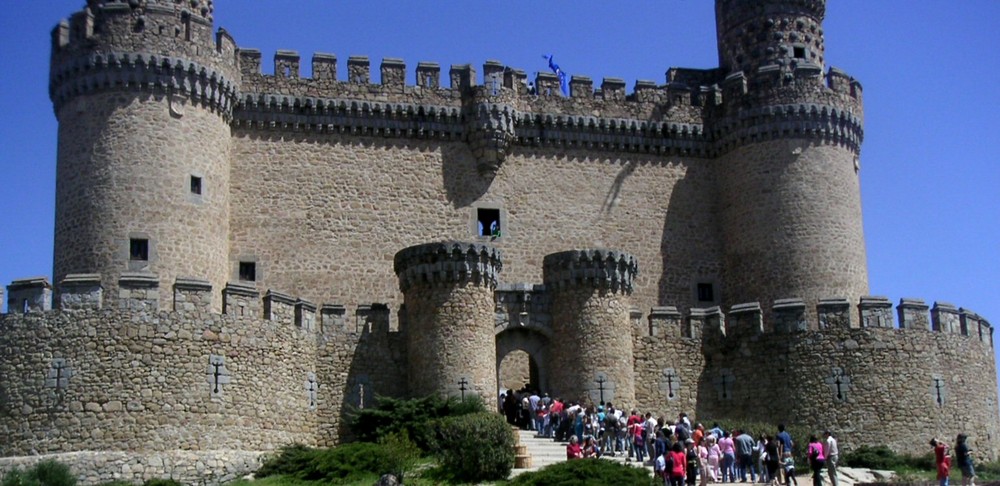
column 682, row 434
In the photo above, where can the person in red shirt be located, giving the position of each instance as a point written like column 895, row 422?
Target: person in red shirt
column 634, row 427
column 942, row 460
column 573, row 449
column 678, row 461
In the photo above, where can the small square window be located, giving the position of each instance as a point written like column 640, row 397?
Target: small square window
column 706, row 292
column 138, row 249
column 488, row 222
column 195, row 185
column 248, row 271
column 800, row 52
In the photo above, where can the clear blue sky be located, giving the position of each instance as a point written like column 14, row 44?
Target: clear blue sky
column 929, row 169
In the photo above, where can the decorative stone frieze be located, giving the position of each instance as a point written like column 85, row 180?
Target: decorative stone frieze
column 599, row 268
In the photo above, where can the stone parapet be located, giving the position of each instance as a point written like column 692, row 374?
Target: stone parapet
column 332, row 318
column 139, row 291
column 875, row 312
column 789, row 315
column 192, row 295
column 29, row 295
column 666, row 322
column 81, row 291
column 598, row 268
column 305, row 314
column 834, row 313
column 240, row 299
column 913, row 314
column 745, row 320
column 945, row 318
column 279, row 307
column 447, row 263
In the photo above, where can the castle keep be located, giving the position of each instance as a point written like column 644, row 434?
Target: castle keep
column 242, row 258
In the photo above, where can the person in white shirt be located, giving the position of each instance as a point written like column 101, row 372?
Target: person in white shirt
column 831, row 453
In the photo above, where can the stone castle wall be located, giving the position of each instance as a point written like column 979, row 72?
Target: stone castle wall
column 870, row 385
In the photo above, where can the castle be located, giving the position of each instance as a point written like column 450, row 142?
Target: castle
column 243, row 258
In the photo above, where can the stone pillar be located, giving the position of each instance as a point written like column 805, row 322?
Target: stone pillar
column 834, row 313
column 944, row 318
column 279, row 307
column 448, row 293
column 139, row 291
column 913, row 314
column 789, row 315
column 305, row 314
column 241, row 300
column 192, row 295
column 875, row 312
column 590, row 314
column 665, row 322
column 745, row 320
column 79, row 291
column 29, row 295
column 331, row 318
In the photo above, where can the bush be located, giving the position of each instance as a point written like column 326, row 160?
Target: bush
column 344, row 464
column 402, row 455
column 585, row 472
column 417, row 417
column 45, row 473
column 881, row 457
column 289, row 460
column 162, row 482
column 476, row 447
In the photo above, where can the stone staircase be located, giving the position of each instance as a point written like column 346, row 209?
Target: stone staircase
column 543, row 452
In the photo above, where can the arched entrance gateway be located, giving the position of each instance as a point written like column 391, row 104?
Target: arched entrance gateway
column 522, row 336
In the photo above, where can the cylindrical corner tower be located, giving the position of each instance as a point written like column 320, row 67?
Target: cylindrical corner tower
column 755, row 33
column 448, row 293
column 143, row 92
column 789, row 141
column 592, row 358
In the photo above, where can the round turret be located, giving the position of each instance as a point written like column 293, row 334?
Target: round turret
column 756, row 33
column 143, row 92
column 448, row 292
column 592, row 358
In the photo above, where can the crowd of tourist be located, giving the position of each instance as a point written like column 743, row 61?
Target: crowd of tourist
column 685, row 452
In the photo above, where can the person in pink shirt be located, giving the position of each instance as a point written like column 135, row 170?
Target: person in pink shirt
column 728, row 458
column 714, row 456
column 573, row 449
column 816, row 459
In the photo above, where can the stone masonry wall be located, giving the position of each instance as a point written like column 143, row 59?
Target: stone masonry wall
column 124, row 171
column 792, row 227
column 594, row 346
column 301, row 198
column 869, row 386
column 120, row 381
column 450, row 336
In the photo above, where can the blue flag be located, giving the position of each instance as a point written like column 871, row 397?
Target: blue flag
column 563, row 83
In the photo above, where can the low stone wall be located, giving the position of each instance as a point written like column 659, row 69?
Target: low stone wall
column 112, row 380
column 188, row 467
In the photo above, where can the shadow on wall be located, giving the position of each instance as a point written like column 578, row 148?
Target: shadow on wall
column 690, row 248
column 463, row 184
column 377, row 367
column 611, row 200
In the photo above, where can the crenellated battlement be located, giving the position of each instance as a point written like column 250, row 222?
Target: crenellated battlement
column 789, row 316
column 139, row 293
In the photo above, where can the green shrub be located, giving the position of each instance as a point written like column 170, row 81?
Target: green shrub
column 162, row 482
column 585, row 472
column 881, row 457
column 476, row 447
column 402, row 454
column 289, row 460
column 348, row 463
column 416, row 417
column 45, row 473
